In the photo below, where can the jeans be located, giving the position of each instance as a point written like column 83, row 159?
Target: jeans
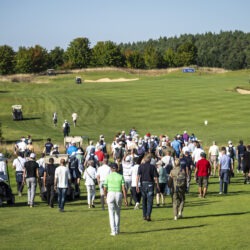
column 114, row 201
column 224, row 180
column 61, row 197
column 31, row 184
column 136, row 196
column 50, row 194
column 147, row 191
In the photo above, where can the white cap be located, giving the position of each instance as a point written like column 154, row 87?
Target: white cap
column 32, row 155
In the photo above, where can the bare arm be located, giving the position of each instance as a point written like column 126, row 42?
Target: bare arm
column 125, row 195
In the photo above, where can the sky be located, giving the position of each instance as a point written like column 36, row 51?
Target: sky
column 51, row 23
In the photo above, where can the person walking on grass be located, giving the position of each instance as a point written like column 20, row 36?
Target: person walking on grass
column 162, row 183
column 48, row 181
column 89, row 176
column 18, row 164
column 202, row 173
column 148, row 176
column 213, row 155
column 246, row 165
column 74, row 117
column 114, row 188
column 102, row 172
column 225, row 168
column 61, row 183
column 30, row 175
column 178, row 189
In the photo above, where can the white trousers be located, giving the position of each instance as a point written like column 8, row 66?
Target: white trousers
column 114, row 201
column 91, row 194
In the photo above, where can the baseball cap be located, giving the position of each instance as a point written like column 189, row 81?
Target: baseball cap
column 32, row 155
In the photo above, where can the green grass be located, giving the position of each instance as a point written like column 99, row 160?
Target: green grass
column 166, row 104
column 217, row 222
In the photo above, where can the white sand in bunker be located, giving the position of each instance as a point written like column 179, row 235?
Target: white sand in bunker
column 112, row 80
column 243, row 91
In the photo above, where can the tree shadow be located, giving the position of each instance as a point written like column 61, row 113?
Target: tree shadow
column 165, row 229
column 4, row 91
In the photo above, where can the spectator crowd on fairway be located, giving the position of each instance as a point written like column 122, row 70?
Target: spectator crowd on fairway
column 147, row 165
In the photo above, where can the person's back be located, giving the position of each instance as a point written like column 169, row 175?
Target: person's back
column 63, row 175
column 203, row 167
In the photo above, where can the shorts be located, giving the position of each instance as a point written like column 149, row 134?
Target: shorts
column 214, row 159
column 162, row 187
column 203, row 181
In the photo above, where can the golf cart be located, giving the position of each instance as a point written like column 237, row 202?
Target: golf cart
column 78, row 80
column 17, row 113
column 5, row 189
column 76, row 139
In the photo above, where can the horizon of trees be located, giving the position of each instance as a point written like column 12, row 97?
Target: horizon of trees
column 228, row 49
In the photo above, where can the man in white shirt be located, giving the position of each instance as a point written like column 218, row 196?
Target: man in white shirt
column 62, row 179
column 102, row 173
column 74, row 117
column 18, row 164
column 127, row 173
column 213, row 154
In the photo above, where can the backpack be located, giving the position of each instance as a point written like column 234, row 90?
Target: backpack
column 181, row 180
column 118, row 153
column 231, row 152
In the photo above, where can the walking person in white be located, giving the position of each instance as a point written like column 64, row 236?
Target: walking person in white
column 61, row 182
column 102, row 173
column 74, row 117
column 89, row 176
column 113, row 188
column 18, row 164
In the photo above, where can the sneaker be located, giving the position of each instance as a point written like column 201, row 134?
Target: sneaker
column 220, row 192
column 137, row 204
column 93, row 206
column 175, row 218
column 179, row 215
column 113, row 234
column 148, row 218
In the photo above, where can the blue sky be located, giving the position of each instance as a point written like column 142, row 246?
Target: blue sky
column 51, row 23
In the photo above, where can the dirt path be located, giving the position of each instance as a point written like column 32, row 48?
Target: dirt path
column 112, row 80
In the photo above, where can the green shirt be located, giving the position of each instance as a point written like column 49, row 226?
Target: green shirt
column 114, row 182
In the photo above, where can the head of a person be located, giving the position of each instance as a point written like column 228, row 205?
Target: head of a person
column 203, row 155
column 113, row 167
column 48, row 140
column 241, row 142
column 147, row 157
column 33, row 156
column 1, row 157
column 214, row 142
column 223, row 150
column 51, row 160
column 91, row 163
column 62, row 162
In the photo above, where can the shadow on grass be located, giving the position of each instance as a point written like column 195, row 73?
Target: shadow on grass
column 31, row 118
column 164, row 229
column 214, row 215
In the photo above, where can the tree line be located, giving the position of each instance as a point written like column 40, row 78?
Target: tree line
column 228, row 49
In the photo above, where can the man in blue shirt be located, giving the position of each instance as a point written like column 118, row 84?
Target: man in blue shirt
column 176, row 146
column 224, row 170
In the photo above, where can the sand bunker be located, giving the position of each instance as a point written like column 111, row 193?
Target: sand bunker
column 243, row 91
column 112, row 80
